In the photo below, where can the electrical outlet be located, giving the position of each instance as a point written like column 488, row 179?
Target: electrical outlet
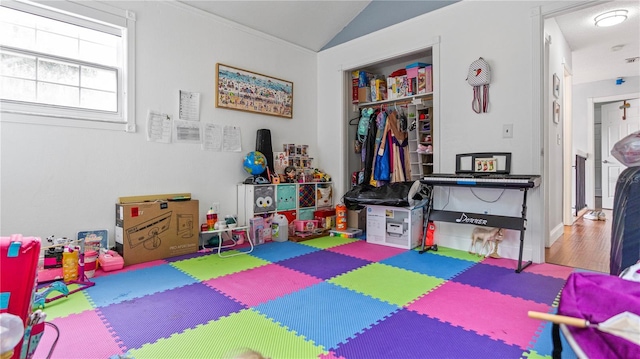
column 507, row 131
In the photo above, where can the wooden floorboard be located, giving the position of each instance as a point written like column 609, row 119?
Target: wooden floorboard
column 586, row 245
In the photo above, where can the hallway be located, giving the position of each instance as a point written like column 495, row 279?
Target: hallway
column 586, row 244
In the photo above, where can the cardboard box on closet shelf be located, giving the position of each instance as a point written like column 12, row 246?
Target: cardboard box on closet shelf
column 425, row 80
column 412, row 77
column 391, row 88
column 355, row 75
column 364, row 94
column 156, row 226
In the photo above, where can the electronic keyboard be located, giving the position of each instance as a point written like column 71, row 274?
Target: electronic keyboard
column 482, row 180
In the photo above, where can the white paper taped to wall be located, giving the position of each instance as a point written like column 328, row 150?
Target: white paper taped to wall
column 158, row 127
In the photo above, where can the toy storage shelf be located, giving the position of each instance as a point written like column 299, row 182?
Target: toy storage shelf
column 421, row 137
column 298, row 200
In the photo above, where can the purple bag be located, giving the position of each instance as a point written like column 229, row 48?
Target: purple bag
column 597, row 297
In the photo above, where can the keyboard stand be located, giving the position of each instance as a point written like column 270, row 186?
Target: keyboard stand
column 516, row 223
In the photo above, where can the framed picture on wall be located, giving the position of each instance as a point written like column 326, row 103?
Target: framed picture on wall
column 556, row 112
column 556, row 86
column 244, row 90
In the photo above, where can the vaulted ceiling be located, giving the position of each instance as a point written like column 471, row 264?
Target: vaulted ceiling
column 321, row 24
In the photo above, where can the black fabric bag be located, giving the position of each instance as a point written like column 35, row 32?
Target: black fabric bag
column 396, row 194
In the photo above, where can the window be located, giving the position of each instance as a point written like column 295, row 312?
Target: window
column 70, row 65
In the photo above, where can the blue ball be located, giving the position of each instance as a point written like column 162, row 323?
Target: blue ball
column 255, row 163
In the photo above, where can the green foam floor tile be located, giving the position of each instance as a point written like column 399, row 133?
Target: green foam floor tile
column 390, row 284
column 458, row 254
column 216, row 339
column 535, row 355
column 213, row 266
column 74, row 303
column 328, row 242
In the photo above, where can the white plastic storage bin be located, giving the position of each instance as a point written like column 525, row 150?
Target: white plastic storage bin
column 398, row 227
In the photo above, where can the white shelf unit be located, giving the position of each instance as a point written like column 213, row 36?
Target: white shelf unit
column 420, row 138
column 299, row 200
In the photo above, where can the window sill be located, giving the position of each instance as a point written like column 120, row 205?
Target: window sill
column 37, row 119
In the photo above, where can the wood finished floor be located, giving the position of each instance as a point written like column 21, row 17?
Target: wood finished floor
column 586, row 244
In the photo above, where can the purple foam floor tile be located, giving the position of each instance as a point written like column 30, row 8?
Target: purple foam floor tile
column 407, row 334
column 531, row 286
column 149, row 318
column 324, row 264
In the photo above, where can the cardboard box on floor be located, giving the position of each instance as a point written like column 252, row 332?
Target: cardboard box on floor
column 156, row 227
column 357, row 219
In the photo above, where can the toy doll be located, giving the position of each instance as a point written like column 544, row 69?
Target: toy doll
column 290, row 174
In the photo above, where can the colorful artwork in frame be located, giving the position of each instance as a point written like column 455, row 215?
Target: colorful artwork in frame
column 250, row 91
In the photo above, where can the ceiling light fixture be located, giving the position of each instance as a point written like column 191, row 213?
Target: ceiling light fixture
column 611, row 18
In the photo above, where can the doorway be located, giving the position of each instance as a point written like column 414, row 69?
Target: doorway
column 617, row 119
column 581, row 131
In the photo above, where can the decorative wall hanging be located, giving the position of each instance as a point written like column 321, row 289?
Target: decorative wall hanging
column 556, row 86
column 479, row 76
column 556, row 112
column 252, row 92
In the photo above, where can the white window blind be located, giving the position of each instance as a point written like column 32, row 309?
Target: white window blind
column 70, row 65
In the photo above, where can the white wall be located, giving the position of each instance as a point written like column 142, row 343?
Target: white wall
column 500, row 32
column 583, row 127
column 61, row 180
column 559, row 57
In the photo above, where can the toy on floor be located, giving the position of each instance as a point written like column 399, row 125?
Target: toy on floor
column 244, row 353
column 496, row 240
column 484, row 237
column 41, row 296
column 72, row 264
column 347, row 233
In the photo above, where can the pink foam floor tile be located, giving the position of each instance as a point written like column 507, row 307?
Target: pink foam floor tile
column 550, row 270
column 330, row 355
column 367, row 251
column 82, row 335
column 482, row 311
column 261, row 284
column 546, row 269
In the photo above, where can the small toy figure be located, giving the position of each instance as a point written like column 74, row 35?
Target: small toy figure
column 486, row 236
column 290, row 174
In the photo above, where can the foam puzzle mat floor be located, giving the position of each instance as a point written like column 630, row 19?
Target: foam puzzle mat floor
column 323, row 298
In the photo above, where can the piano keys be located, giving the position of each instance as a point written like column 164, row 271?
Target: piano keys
column 482, row 180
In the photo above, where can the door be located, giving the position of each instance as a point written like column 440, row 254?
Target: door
column 614, row 128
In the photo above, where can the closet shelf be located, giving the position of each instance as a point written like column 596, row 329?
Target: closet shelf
column 403, row 100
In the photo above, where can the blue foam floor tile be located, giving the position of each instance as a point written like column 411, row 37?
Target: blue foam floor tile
column 325, row 313
column 134, row 284
column 544, row 342
column 430, row 264
column 279, row 251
